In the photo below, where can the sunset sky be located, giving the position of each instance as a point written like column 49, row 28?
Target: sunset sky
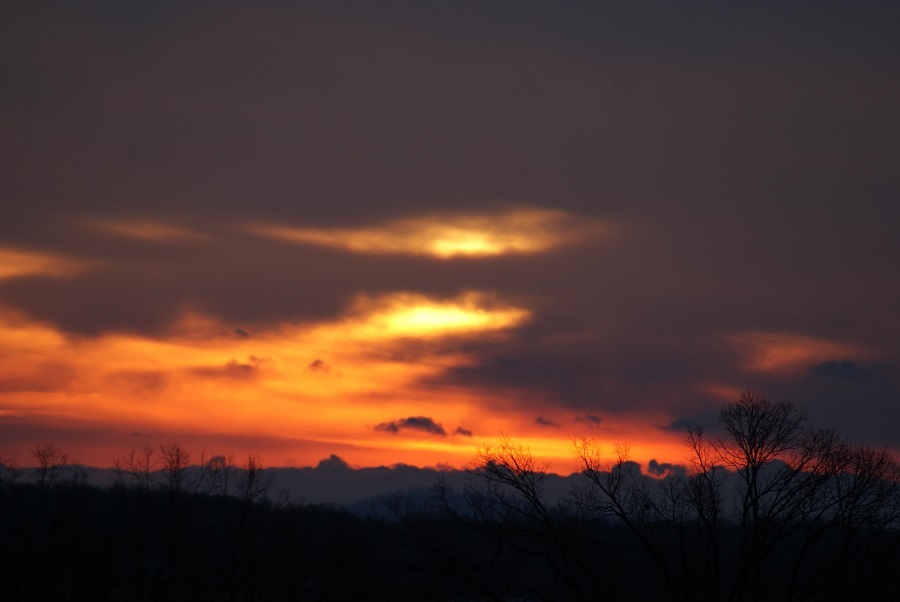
column 395, row 232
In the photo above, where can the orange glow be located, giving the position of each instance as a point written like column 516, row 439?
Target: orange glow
column 329, row 383
column 447, row 236
column 145, row 230
column 15, row 263
column 408, row 315
column 297, row 392
column 781, row 352
column 725, row 392
column 556, row 446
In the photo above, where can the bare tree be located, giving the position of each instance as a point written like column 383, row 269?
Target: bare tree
column 174, row 463
column 251, row 484
column 252, row 481
column 757, row 501
column 9, row 473
column 514, row 495
column 138, row 467
column 51, row 461
column 783, row 467
column 220, row 470
column 616, row 489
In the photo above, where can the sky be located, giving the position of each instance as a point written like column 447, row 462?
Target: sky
column 397, row 232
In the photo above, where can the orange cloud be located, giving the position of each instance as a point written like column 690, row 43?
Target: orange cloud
column 204, row 377
column 455, row 235
column 145, row 230
column 412, row 315
column 329, row 387
column 727, row 393
column 784, row 352
column 14, row 262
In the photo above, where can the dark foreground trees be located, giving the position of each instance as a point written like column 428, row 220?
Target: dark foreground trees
column 169, row 530
column 770, row 509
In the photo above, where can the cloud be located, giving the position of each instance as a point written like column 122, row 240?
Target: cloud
column 233, row 369
column 319, row 366
column 708, row 420
column 679, row 425
column 515, row 231
column 662, row 469
column 591, row 420
column 410, row 203
column 412, row 315
column 46, row 377
column 778, row 352
column 546, row 422
column 415, row 423
column 462, row 432
column 843, row 369
column 147, row 230
column 333, row 463
column 141, row 382
column 16, row 262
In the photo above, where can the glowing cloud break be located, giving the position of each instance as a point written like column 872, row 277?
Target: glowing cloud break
column 448, row 236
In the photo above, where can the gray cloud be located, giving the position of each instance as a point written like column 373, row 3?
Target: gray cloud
column 233, row 369
column 319, row 366
column 546, row 422
column 843, row 369
column 664, row 468
column 334, row 464
column 708, row 421
column 591, row 420
column 415, row 423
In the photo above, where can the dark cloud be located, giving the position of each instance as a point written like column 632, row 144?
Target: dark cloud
column 728, row 144
column 49, row 376
column 546, row 422
column 333, row 463
column 680, row 425
column 333, row 481
column 591, row 420
column 550, row 362
column 843, row 369
column 233, row 369
column 708, row 421
column 319, row 366
column 462, row 431
column 665, row 469
column 415, row 423
column 860, row 403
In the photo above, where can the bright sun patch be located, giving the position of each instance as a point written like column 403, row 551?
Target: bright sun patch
column 446, row 236
column 418, row 316
column 328, row 383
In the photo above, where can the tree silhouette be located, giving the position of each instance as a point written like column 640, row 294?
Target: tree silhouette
column 772, row 503
column 758, row 505
column 770, row 508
